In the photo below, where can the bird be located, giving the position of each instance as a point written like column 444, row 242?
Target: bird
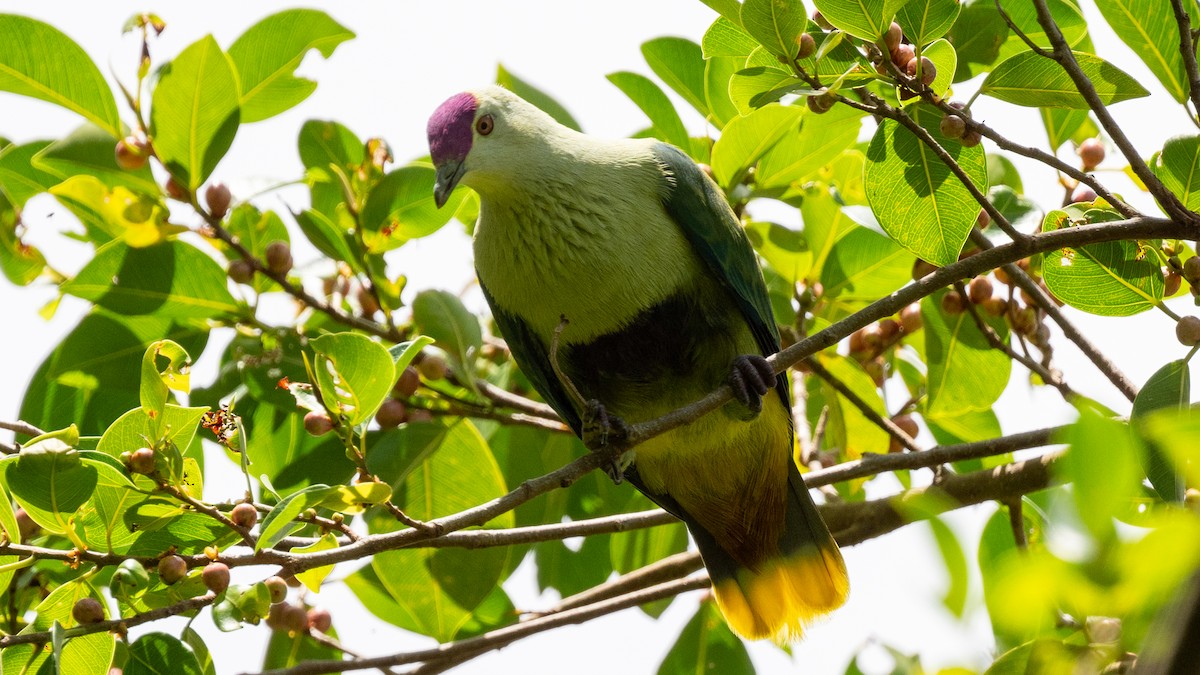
column 625, row 288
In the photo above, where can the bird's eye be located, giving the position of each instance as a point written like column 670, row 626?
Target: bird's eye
column 484, row 125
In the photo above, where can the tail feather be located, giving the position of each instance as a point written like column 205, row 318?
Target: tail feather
column 783, row 594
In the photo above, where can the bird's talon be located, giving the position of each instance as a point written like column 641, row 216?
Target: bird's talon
column 751, row 377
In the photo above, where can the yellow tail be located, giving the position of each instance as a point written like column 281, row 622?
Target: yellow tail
column 785, row 596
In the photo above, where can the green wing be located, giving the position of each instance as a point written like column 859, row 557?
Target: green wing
column 534, row 360
column 696, row 204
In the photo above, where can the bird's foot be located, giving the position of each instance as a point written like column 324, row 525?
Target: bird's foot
column 601, row 431
column 750, row 379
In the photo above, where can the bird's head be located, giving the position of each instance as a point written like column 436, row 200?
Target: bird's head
column 482, row 134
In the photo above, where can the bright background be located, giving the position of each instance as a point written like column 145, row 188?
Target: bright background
column 407, row 58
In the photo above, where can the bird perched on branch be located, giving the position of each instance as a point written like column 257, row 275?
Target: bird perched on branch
column 625, row 288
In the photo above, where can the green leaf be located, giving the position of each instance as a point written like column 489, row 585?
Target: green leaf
column 90, row 151
column 1066, row 14
column 680, row 63
column 135, row 218
column 161, row 654
column 38, row 60
column 797, row 157
column 256, row 230
column 1178, row 167
column 535, row 96
column 439, row 589
column 849, row 427
column 1061, row 124
column 1102, row 464
column 945, row 59
column 977, row 36
column 19, row 178
column 328, row 237
column 955, row 560
column 706, row 645
column 195, row 112
column 918, row 201
column 745, row 139
column 442, row 316
column 927, row 20
column 652, row 101
column 1029, row 79
column 280, row 522
column 400, row 207
column 51, row 483
column 1170, row 388
column 354, row 374
column 267, row 54
column 862, row 267
column 1149, row 29
column 172, row 279
column 83, row 655
column 965, row 372
column 753, row 88
column 289, row 650
column 775, row 24
column 322, row 143
column 784, row 249
column 1112, row 278
column 866, row 19
column 726, row 38
column 718, row 72
column 158, row 379
column 21, row 263
column 729, row 9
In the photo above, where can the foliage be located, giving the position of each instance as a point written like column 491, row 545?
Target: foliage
column 394, row 429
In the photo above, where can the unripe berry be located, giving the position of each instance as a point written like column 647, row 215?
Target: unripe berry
column 902, row 55
column 1002, row 276
column 888, row 329
column 928, row 70
column 295, row 619
column 218, row 198
column 1083, row 193
column 419, row 416
column 821, row 103
column 983, row 219
column 317, row 423
column 995, row 306
column 892, row 38
column 1091, row 153
column 278, row 589
column 971, row 138
column 953, row 303
column 276, row 616
column 244, row 515
column 1171, row 284
column 319, row 619
column 391, row 414
column 1191, row 269
column 922, row 269
column 175, row 190
column 87, row 610
column 908, row 425
column 857, row 344
column 433, row 367
column 25, row 525
column 806, row 45
column 132, row 153
column 910, row 319
column 877, row 370
column 821, row 21
column 407, row 384
column 279, row 257
column 216, row 577
column 1188, row 330
column 171, row 569
column 142, row 461
column 979, row 290
column 241, row 271
column 872, row 339
column 953, row 126
column 367, row 301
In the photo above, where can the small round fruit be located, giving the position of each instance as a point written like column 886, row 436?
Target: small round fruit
column 1171, row 284
column 1091, row 153
column 1191, row 269
column 132, row 153
column 171, row 569
column 320, row 619
column 391, row 414
column 1024, row 320
column 858, row 344
column 928, row 70
column 953, row 126
column 877, row 370
column 907, row 424
column 821, row 103
column 278, row 589
column 872, row 337
column 433, row 367
column 218, row 198
column 419, row 416
column 25, row 525
column 295, row 619
column 979, row 290
column 888, row 329
column 922, row 269
column 407, row 385
column 1188, row 331
column 142, row 461
column 902, row 55
column 244, row 515
column 367, row 301
column 952, row 303
column 1002, row 276
column 175, row 190
column 276, row 616
column 279, row 257
column 892, row 38
column 819, row 19
column 983, row 219
column 241, row 271
column 806, row 46
column 1083, row 193
column 910, row 318
column 216, row 577
column 317, row 423
column 971, row 138
column 995, row 306
column 87, row 610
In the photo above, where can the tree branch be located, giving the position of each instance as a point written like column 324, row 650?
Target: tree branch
column 868, row 412
column 119, row 625
column 1187, row 47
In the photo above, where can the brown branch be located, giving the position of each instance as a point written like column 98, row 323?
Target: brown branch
column 672, row 567
column 532, row 534
column 1066, row 58
column 1187, row 47
column 515, row 401
column 119, row 625
column 878, row 420
column 21, row 427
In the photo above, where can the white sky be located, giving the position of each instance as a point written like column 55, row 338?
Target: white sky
column 407, row 58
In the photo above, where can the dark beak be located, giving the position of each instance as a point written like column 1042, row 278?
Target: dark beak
column 446, row 179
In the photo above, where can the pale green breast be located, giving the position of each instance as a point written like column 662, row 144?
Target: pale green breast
column 592, row 243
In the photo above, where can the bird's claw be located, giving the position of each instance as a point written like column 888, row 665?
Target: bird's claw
column 600, row 431
column 750, row 379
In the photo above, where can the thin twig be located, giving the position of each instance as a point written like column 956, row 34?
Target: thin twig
column 21, row 427
column 1187, row 47
column 868, row 412
column 516, row 401
column 119, row 625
